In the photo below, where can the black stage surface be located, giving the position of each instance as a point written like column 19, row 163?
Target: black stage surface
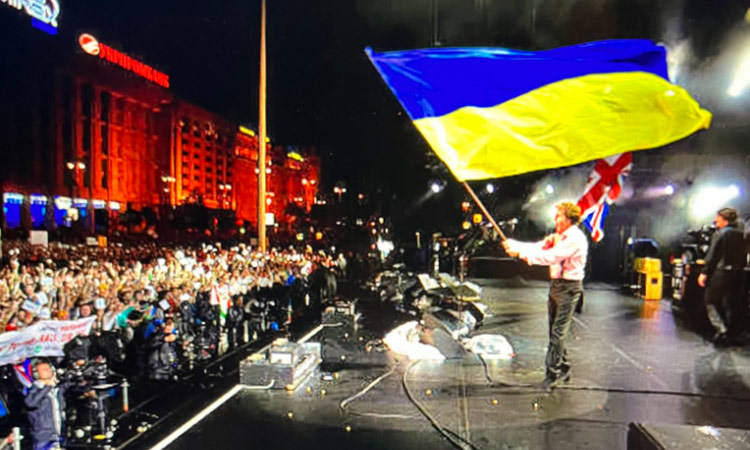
column 633, row 362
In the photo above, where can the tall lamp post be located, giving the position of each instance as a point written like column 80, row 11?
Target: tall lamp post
column 225, row 191
column 262, row 133
column 76, row 168
column 168, row 183
column 339, row 190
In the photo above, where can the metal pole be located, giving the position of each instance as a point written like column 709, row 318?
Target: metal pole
column 262, row 133
column 484, row 210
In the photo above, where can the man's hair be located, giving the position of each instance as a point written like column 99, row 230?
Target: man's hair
column 730, row 215
column 571, row 211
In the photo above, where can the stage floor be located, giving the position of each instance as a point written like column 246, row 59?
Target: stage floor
column 631, row 362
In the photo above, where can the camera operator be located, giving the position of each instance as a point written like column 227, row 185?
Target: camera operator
column 722, row 276
column 46, row 407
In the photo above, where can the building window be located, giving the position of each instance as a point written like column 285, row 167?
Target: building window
column 105, row 173
column 196, row 178
column 106, row 101
column 118, row 110
column 209, row 170
column 196, row 144
column 87, row 96
column 196, row 167
column 67, row 136
column 185, row 155
column 86, row 135
column 104, row 131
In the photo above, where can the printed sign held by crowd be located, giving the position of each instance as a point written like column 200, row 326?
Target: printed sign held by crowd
column 45, row 338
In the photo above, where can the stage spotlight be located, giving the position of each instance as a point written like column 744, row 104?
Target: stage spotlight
column 709, row 199
column 435, row 187
column 549, row 189
column 669, row 190
column 741, row 78
column 490, row 188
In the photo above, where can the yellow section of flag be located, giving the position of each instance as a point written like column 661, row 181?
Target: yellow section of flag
column 564, row 123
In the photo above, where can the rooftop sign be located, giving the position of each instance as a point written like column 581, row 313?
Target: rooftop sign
column 93, row 47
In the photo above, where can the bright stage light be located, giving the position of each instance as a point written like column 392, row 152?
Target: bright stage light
column 669, row 190
column 549, row 189
column 490, row 188
column 710, row 199
column 435, row 187
column 741, row 78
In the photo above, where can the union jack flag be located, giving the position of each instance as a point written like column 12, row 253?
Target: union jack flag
column 602, row 189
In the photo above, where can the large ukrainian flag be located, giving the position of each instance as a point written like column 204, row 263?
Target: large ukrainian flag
column 491, row 112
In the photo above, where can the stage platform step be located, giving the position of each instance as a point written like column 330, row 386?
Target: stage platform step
column 643, row 436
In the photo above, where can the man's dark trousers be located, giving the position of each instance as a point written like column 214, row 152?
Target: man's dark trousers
column 563, row 295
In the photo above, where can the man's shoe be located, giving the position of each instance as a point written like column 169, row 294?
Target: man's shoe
column 720, row 339
column 550, row 383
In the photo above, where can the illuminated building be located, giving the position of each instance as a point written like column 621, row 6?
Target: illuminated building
column 292, row 177
column 245, row 183
column 203, row 157
column 88, row 130
column 112, row 135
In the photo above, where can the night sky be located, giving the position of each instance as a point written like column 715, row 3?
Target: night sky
column 322, row 89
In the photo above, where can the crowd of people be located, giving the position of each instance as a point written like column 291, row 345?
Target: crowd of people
column 156, row 311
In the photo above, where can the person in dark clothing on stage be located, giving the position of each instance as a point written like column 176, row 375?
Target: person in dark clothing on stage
column 565, row 253
column 236, row 324
column 722, row 276
column 46, row 407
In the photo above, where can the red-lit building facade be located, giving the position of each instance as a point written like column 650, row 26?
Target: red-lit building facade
column 203, row 158
column 292, row 177
column 99, row 138
column 111, row 135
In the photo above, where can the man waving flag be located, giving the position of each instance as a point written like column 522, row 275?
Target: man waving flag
column 493, row 112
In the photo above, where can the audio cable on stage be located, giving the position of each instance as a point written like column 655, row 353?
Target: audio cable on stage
column 454, row 438
column 364, row 391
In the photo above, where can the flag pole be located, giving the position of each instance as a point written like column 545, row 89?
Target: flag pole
column 262, row 133
column 484, row 210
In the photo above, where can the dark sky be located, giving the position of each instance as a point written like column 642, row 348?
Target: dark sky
column 323, row 90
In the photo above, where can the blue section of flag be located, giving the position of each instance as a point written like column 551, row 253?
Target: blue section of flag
column 435, row 82
column 594, row 222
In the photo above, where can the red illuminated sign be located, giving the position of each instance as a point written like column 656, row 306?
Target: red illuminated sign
column 90, row 45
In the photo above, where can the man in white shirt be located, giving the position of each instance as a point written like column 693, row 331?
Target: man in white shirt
column 565, row 254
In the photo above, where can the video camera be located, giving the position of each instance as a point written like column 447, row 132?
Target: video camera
column 697, row 246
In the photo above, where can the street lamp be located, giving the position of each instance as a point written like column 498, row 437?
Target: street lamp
column 168, row 181
column 339, row 190
column 76, row 167
column 224, row 193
